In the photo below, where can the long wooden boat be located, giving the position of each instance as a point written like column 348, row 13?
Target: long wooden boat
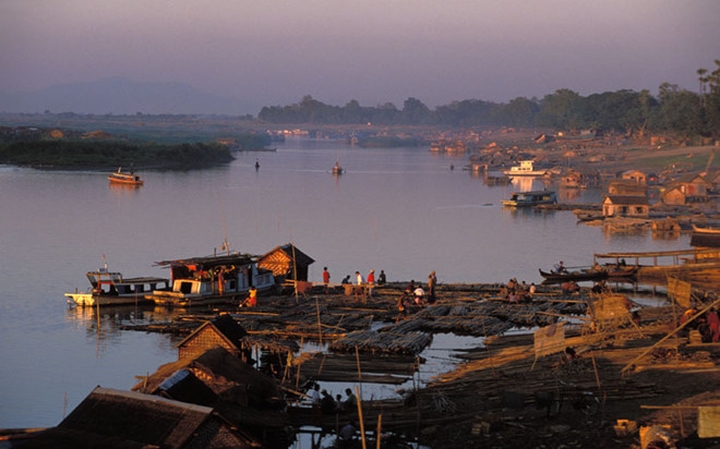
column 111, row 288
column 119, row 177
column 582, row 275
column 705, row 230
column 223, row 279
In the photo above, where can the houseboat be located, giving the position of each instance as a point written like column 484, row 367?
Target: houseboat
column 217, row 279
column 111, row 288
column 526, row 168
column 532, row 198
column 119, row 177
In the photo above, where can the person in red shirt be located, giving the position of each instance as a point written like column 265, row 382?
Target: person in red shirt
column 371, row 282
column 326, row 278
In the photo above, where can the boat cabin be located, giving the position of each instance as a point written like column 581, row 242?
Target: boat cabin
column 200, row 278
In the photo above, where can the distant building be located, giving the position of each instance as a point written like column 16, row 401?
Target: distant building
column 635, row 176
column 626, row 206
column 626, row 187
column 673, row 196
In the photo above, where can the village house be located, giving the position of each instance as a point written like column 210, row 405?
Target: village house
column 695, row 187
column 116, row 419
column 635, row 176
column 626, row 206
column 221, row 331
column 626, row 187
column 673, row 196
column 287, row 263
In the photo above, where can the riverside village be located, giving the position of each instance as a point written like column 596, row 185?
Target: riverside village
column 623, row 352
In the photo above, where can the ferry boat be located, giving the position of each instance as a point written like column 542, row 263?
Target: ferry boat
column 526, row 168
column 217, row 279
column 119, row 177
column 111, row 288
column 532, row 198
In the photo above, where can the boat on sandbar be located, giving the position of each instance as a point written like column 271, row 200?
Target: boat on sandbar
column 217, row 279
column 526, row 168
column 111, row 288
column 119, row 177
column 532, row 198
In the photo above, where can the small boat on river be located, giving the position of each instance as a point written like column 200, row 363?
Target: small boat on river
column 705, row 230
column 111, row 288
column 609, row 272
column 119, row 177
column 532, row 198
column 337, row 169
column 217, row 279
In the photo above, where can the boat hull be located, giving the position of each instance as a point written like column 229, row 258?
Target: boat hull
column 91, row 300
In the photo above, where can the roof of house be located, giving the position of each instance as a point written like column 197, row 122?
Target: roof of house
column 627, row 199
column 219, row 364
column 300, row 257
column 226, row 327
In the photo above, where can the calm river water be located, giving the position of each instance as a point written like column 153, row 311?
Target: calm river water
column 401, row 210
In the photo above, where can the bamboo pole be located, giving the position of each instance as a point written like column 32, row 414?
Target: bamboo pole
column 317, row 310
column 360, row 416
column 378, row 432
column 677, row 329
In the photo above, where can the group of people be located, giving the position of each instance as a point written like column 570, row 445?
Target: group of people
column 517, row 292
column 708, row 324
column 324, row 403
column 415, row 296
column 363, row 286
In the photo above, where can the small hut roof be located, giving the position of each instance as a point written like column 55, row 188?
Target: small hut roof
column 220, row 366
column 225, row 325
column 300, row 257
column 137, row 417
column 209, row 261
column 627, row 199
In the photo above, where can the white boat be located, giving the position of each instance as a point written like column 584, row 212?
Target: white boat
column 526, row 168
column 223, row 279
column 111, row 288
column 532, row 198
column 705, row 230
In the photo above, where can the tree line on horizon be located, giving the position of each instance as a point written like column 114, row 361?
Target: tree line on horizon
column 679, row 112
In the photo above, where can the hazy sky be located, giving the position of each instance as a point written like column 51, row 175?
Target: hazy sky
column 272, row 52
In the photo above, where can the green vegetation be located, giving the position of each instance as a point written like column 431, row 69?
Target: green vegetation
column 67, row 153
column 690, row 117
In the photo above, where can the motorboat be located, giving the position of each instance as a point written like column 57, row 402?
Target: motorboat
column 119, row 177
column 111, row 288
column 531, row 198
column 217, row 279
column 526, row 168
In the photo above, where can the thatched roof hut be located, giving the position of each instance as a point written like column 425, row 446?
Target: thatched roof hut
column 110, row 418
column 287, row 262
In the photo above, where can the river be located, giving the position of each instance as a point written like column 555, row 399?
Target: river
column 403, row 210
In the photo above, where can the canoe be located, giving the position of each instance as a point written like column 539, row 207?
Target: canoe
column 583, row 275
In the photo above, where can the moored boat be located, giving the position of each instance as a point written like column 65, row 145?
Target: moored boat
column 119, row 177
column 581, row 275
column 705, row 230
column 532, row 198
column 526, row 168
column 111, row 288
column 223, row 279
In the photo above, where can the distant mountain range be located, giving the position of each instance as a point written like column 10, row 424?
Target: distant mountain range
column 123, row 96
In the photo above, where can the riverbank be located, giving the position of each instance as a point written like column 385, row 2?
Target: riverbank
column 492, row 395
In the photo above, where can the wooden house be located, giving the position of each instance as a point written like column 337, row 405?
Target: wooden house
column 635, row 176
column 221, row 331
column 626, row 187
column 695, row 187
column 287, row 262
column 116, row 419
column 673, row 196
column 626, row 206
column 215, row 375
